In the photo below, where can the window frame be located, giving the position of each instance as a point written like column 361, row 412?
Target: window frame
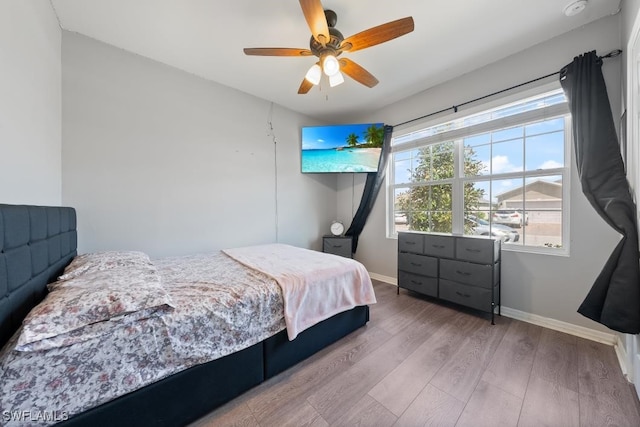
column 457, row 182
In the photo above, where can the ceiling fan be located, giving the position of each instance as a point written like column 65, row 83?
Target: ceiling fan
column 327, row 43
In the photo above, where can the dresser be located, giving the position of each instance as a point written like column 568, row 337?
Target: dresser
column 461, row 269
column 337, row 245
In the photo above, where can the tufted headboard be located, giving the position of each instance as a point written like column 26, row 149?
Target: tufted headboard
column 36, row 244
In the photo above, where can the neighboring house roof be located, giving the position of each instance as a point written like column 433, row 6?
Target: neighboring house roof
column 536, row 190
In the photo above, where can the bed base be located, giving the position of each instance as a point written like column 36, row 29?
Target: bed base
column 184, row 397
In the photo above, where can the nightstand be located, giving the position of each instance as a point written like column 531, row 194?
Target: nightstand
column 337, row 245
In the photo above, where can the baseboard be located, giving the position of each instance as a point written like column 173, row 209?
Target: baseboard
column 621, row 352
column 386, row 279
column 557, row 325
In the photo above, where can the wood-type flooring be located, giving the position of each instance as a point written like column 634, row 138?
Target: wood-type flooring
column 419, row 362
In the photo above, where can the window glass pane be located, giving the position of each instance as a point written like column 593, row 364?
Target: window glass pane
column 477, row 154
column 477, row 198
column 427, row 207
column 507, row 156
column 507, row 217
column 477, row 160
column 506, row 134
column 404, row 163
column 402, row 139
column 402, row 155
column 443, row 166
column 478, row 118
column 507, row 193
column 477, row 206
column 402, row 170
column 545, row 151
column 478, row 215
column 482, row 139
column 401, row 208
column 543, row 202
column 422, row 168
column 434, row 162
column 544, row 126
column 510, row 111
column 441, row 221
column 556, row 98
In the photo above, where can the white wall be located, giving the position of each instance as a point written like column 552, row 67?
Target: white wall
column 159, row 160
column 548, row 286
column 30, row 136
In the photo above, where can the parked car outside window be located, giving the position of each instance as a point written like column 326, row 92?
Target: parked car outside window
column 511, row 217
column 484, row 228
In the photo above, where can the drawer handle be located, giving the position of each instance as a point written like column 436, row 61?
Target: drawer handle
column 463, row 273
column 438, row 246
column 416, row 283
column 337, row 246
column 415, row 264
column 463, row 295
column 473, row 250
column 410, row 243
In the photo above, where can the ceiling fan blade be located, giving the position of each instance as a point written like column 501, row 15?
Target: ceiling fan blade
column 377, row 35
column 305, row 87
column 276, row 51
column 314, row 14
column 357, row 73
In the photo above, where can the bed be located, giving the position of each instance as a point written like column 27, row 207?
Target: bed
column 37, row 243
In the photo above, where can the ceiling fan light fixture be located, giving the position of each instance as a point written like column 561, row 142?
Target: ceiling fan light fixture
column 336, row 79
column 314, row 74
column 330, row 65
column 327, row 43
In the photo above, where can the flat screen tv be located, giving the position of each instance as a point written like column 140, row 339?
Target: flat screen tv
column 342, row 148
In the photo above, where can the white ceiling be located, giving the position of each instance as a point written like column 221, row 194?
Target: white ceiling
column 206, row 38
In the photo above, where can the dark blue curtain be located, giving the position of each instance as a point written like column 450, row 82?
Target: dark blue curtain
column 371, row 189
column 614, row 299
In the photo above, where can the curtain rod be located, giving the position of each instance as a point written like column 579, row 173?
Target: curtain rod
column 611, row 54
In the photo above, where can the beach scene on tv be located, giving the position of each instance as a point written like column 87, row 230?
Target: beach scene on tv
column 342, row 148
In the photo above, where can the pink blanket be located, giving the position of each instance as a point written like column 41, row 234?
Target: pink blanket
column 315, row 285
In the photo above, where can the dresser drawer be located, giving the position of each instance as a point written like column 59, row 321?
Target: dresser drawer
column 411, row 242
column 422, row 284
column 477, row 250
column 469, row 273
column 337, row 246
column 470, row 296
column 418, row 264
column 440, row 246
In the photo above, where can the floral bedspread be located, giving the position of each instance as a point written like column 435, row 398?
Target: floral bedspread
column 220, row 307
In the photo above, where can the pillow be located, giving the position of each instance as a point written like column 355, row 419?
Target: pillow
column 92, row 304
column 99, row 261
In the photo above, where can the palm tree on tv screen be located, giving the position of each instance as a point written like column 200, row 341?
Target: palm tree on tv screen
column 352, row 140
column 374, row 135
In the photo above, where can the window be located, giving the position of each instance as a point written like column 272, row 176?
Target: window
column 502, row 172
